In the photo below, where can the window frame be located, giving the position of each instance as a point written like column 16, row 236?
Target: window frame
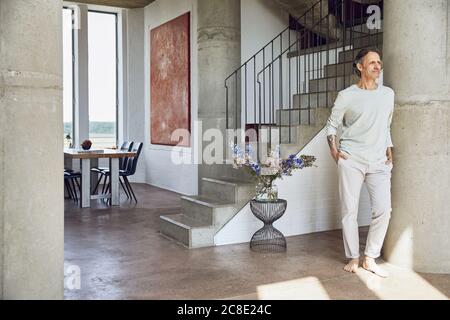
column 117, row 65
column 72, row 10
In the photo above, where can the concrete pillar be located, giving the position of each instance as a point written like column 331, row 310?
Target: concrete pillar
column 31, row 157
column 219, row 54
column 416, row 49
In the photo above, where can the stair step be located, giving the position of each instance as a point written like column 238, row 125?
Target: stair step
column 295, row 116
column 375, row 39
column 304, row 135
column 357, row 42
column 184, row 221
column 332, row 84
column 206, row 210
column 288, row 134
column 338, row 69
column 315, row 100
column 228, row 189
column 189, row 232
column 349, row 55
column 289, row 148
column 207, row 201
column 364, row 40
column 364, row 29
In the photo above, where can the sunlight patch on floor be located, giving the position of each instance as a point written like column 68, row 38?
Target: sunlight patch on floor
column 308, row 288
column 401, row 284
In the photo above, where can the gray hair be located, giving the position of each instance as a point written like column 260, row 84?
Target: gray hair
column 360, row 58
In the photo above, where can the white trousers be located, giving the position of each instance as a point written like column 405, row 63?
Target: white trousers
column 352, row 175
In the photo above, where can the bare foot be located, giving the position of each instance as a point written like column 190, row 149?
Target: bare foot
column 352, row 265
column 370, row 265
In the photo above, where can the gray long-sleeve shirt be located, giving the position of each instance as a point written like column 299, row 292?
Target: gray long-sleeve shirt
column 366, row 117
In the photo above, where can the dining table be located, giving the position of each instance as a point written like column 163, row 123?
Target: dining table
column 90, row 157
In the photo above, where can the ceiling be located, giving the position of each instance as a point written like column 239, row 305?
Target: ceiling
column 118, row 3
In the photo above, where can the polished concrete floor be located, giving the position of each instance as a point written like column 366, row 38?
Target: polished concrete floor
column 121, row 255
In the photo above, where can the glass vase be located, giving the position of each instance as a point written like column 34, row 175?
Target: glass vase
column 266, row 190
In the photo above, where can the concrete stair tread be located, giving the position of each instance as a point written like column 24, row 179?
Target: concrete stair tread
column 275, row 127
column 357, row 41
column 289, row 145
column 297, row 109
column 229, row 181
column 184, row 221
column 207, row 201
column 313, row 93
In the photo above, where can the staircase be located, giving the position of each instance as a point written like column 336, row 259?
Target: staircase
column 285, row 93
column 202, row 216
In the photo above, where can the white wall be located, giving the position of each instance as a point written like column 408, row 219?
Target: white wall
column 312, row 201
column 160, row 170
column 261, row 21
column 134, row 117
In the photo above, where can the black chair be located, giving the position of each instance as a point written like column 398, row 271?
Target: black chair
column 71, row 183
column 123, row 162
column 129, row 171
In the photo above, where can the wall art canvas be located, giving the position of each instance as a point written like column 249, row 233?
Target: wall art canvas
column 170, row 80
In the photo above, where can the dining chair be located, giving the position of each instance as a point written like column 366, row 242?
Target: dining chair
column 72, row 184
column 129, row 171
column 123, row 162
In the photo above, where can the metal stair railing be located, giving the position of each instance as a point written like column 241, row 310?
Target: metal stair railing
column 237, row 84
column 300, row 59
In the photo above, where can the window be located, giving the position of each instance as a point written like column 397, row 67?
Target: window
column 68, row 75
column 102, row 35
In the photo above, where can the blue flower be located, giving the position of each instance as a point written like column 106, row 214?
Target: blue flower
column 298, row 162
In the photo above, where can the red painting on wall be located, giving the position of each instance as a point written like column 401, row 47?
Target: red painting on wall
column 170, row 80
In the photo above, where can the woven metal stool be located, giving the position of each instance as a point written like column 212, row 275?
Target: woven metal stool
column 268, row 239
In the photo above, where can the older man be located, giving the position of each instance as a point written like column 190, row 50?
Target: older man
column 364, row 155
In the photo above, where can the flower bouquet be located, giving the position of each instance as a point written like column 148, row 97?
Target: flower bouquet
column 271, row 168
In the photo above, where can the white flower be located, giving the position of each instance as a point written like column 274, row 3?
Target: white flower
column 273, row 163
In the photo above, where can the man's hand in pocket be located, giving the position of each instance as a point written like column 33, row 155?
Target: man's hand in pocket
column 338, row 154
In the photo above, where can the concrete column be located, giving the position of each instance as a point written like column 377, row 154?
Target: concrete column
column 219, row 54
column 31, row 157
column 416, row 49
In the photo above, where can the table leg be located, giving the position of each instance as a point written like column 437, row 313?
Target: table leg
column 114, row 169
column 85, row 183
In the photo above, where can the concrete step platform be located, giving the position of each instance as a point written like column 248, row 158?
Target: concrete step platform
column 227, row 189
column 332, row 84
column 349, row 55
column 338, row 69
column 206, row 210
column 315, row 100
column 187, row 231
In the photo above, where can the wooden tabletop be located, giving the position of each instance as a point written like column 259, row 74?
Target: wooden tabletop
column 105, row 153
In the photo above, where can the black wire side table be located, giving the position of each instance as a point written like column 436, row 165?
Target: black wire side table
column 268, row 238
